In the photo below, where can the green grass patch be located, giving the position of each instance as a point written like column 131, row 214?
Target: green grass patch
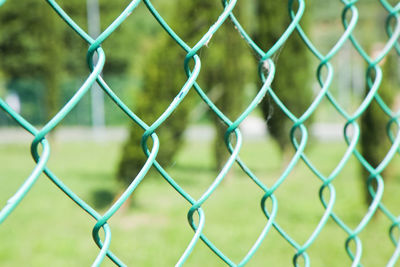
column 47, row 228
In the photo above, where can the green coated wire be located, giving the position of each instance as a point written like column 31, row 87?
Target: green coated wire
column 298, row 134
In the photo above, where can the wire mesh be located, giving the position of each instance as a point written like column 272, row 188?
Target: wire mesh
column 298, row 135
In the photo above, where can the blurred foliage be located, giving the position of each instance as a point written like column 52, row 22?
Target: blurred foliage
column 292, row 69
column 44, row 61
column 163, row 76
column 374, row 140
column 38, row 47
column 227, row 67
column 30, row 47
column 223, row 70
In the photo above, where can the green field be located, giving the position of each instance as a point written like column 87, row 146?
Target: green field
column 48, row 229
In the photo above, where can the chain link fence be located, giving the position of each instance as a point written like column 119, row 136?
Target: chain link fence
column 40, row 147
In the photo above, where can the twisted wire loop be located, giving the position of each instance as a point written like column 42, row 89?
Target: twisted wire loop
column 298, row 133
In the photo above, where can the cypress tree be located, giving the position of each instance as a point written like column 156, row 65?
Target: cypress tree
column 163, row 75
column 374, row 139
column 227, row 65
column 291, row 82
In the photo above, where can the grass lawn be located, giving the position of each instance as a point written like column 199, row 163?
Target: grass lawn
column 48, row 229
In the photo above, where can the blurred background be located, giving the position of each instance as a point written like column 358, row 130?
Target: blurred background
column 43, row 60
column 96, row 148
